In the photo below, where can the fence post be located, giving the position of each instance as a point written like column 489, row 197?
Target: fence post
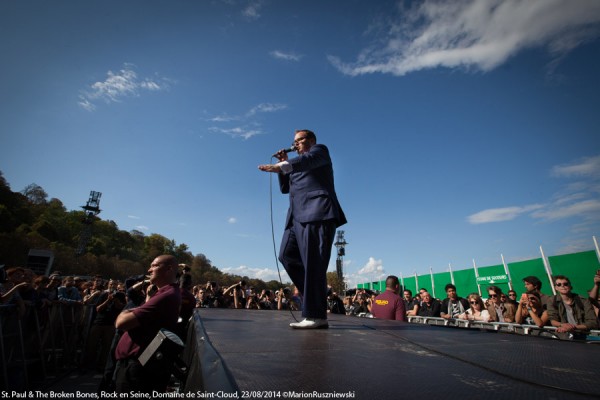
column 476, row 276
column 510, row 286
column 432, row 283
column 548, row 270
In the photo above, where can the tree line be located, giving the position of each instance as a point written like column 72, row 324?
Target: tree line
column 29, row 220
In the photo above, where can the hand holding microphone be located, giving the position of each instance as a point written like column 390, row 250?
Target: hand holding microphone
column 281, row 155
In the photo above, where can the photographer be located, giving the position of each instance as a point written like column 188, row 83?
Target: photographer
column 237, row 292
column 530, row 310
column 214, row 295
column 334, row 303
column 285, row 301
column 202, row 299
column 92, row 296
column 102, row 331
column 265, row 300
column 252, row 302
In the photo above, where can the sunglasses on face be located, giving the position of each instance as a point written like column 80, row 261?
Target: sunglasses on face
column 559, row 284
column 493, row 295
column 473, row 302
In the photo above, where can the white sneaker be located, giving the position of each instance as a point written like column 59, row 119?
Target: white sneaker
column 310, row 323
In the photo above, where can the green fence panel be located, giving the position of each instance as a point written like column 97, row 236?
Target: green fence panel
column 379, row 286
column 580, row 268
column 441, row 279
column 464, row 280
column 422, row 281
column 409, row 283
column 492, row 270
column 425, row 283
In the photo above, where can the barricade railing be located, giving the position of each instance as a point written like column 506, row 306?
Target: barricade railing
column 12, row 347
column 508, row 327
column 51, row 336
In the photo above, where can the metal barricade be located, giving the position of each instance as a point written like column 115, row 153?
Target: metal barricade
column 12, row 348
column 508, row 327
column 64, row 334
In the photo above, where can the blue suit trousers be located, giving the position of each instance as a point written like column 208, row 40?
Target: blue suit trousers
column 305, row 252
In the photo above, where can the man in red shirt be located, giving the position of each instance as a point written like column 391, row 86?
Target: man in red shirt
column 389, row 305
column 141, row 324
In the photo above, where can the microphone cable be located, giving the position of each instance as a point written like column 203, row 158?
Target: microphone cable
column 273, row 237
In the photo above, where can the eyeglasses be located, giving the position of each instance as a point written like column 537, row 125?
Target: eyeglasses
column 559, row 284
column 300, row 140
column 533, row 299
column 493, row 295
column 512, row 295
column 473, row 302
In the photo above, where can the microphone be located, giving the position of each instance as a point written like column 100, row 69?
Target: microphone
column 288, row 150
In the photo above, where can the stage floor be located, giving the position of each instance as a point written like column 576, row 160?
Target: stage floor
column 376, row 359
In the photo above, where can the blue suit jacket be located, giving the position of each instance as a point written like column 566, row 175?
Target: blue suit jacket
column 311, row 188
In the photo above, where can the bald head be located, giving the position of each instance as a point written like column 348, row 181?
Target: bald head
column 163, row 270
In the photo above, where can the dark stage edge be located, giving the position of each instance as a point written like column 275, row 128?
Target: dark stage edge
column 256, row 350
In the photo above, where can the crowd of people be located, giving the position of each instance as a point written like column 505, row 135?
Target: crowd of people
column 79, row 314
column 99, row 303
column 566, row 310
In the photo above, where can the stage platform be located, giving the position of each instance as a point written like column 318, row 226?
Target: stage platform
column 256, row 354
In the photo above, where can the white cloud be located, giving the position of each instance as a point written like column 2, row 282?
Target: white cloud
column 264, row 274
column 237, row 132
column 249, row 127
column 580, row 199
column 150, row 85
column 474, row 34
column 585, row 209
column 117, row 86
column 286, row 56
column 133, row 217
column 588, row 166
column 86, row 104
column 232, row 220
column 142, row 228
column 372, row 267
column 252, row 11
column 266, row 108
column 222, row 118
column 500, row 214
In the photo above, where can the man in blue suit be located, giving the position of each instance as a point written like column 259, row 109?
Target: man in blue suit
column 313, row 216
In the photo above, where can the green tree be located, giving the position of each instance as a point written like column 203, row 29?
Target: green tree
column 336, row 283
column 35, row 194
column 155, row 245
column 29, row 220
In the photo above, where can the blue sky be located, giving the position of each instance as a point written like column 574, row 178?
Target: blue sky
column 458, row 130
